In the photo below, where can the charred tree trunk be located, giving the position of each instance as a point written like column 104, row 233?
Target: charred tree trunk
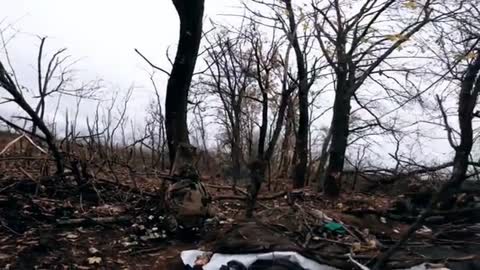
column 185, row 161
column 259, row 165
column 340, row 128
column 301, row 143
column 191, row 15
column 279, row 124
column 236, row 141
column 236, row 152
column 345, row 75
column 286, row 152
column 263, row 127
column 322, row 161
column 249, row 137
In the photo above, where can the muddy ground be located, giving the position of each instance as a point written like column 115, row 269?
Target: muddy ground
column 50, row 223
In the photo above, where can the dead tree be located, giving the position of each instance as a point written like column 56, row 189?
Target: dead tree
column 7, row 83
column 461, row 140
column 301, row 142
column 354, row 47
column 286, row 151
column 467, row 101
column 322, row 160
column 242, row 74
column 158, row 119
column 266, row 64
column 260, row 164
column 284, row 17
column 229, row 62
column 191, row 16
column 54, row 79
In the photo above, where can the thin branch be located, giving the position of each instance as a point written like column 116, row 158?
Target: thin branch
column 151, row 64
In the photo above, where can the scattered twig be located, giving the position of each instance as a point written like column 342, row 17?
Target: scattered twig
column 361, row 266
column 243, row 198
column 147, row 250
column 98, row 220
column 8, row 187
column 8, row 228
column 28, row 175
column 10, row 144
column 34, row 144
column 332, row 241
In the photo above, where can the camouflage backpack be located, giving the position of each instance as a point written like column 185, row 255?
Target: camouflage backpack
column 188, row 202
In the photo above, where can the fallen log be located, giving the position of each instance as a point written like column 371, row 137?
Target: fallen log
column 458, row 211
column 244, row 198
column 242, row 190
column 97, row 220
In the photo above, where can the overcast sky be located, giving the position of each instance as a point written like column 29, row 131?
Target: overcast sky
column 103, row 35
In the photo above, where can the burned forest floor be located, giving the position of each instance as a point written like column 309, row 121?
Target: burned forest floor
column 52, row 223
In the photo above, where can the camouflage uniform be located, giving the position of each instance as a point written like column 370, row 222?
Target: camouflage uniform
column 188, row 201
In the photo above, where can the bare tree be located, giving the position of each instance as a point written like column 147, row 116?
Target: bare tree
column 266, row 65
column 191, row 16
column 243, row 74
column 7, row 83
column 283, row 16
column 466, row 44
column 35, row 116
column 287, row 149
column 354, row 47
column 468, row 95
column 301, row 143
column 229, row 64
column 56, row 78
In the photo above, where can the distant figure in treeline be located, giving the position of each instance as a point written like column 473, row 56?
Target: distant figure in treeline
column 257, row 174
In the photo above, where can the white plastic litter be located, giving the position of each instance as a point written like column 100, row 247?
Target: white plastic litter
column 361, row 266
column 428, row 266
column 217, row 260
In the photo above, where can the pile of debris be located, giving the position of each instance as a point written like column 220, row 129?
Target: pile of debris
column 52, row 222
column 356, row 230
